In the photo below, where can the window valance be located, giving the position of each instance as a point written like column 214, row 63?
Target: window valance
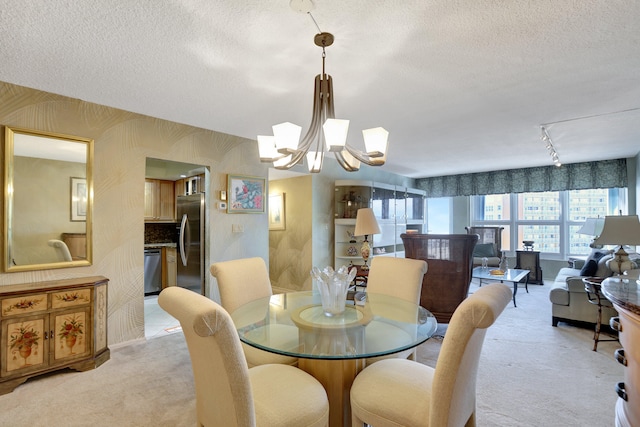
column 575, row 176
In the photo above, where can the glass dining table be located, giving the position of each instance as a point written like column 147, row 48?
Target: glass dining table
column 333, row 348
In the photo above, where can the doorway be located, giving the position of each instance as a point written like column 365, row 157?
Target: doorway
column 164, row 233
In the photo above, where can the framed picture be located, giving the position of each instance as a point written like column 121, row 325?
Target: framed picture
column 245, row 194
column 78, row 199
column 276, row 212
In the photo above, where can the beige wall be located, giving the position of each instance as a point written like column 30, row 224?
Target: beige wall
column 123, row 141
column 290, row 250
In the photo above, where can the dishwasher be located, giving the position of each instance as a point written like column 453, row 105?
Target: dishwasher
column 152, row 271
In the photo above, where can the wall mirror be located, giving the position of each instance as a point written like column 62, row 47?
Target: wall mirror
column 48, row 191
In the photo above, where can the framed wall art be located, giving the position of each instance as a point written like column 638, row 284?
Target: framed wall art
column 245, row 194
column 276, row 212
column 79, row 199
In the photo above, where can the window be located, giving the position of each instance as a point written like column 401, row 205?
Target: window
column 551, row 219
column 439, row 215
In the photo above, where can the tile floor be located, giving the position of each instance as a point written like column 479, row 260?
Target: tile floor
column 157, row 322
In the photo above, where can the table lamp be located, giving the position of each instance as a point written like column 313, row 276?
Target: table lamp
column 592, row 227
column 620, row 230
column 366, row 224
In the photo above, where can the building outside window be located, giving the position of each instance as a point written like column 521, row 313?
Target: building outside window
column 550, row 219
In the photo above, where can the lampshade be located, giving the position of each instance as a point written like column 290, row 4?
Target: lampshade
column 620, row 230
column 366, row 223
column 592, row 227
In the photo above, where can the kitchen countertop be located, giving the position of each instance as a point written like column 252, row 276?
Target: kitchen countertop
column 159, row 245
column 623, row 292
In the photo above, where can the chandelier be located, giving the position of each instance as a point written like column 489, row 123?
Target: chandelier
column 326, row 133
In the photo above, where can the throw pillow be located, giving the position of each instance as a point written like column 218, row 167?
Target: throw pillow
column 484, row 250
column 594, row 263
column 590, row 268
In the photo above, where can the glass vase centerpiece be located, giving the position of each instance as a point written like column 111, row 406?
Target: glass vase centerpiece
column 333, row 287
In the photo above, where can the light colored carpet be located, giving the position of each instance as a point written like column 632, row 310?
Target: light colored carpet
column 531, row 374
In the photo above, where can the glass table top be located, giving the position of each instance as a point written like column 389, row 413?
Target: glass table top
column 294, row 324
column 511, row 275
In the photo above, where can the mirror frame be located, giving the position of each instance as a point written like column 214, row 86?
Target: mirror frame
column 10, row 133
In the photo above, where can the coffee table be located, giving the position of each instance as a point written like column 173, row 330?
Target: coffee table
column 514, row 275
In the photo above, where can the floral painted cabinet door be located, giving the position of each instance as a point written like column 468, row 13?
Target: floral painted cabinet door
column 71, row 336
column 25, row 343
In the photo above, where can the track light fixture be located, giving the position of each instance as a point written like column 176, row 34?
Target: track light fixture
column 549, row 146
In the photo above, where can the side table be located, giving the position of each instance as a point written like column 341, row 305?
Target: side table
column 530, row 260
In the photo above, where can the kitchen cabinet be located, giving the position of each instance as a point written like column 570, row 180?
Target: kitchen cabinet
column 191, row 185
column 47, row 326
column 159, row 200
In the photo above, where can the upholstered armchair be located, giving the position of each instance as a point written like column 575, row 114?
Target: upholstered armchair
column 489, row 245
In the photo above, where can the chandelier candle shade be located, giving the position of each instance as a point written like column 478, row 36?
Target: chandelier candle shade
column 326, row 133
column 366, row 225
column 620, row 230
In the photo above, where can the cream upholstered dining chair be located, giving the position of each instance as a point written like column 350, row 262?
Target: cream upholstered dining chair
column 397, row 277
column 400, row 392
column 62, row 250
column 244, row 280
column 228, row 393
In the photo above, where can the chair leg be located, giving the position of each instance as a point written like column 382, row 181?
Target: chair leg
column 596, row 333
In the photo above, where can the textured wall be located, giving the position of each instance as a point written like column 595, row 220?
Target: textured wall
column 123, row 141
column 290, row 258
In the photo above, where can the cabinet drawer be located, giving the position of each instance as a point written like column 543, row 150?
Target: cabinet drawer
column 24, row 305
column 71, row 298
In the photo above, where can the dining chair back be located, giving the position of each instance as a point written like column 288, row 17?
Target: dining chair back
column 228, row 393
column 403, row 392
column 240, row 282
column 398, row 277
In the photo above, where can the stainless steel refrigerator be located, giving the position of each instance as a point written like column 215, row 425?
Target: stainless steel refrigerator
column 191, row 218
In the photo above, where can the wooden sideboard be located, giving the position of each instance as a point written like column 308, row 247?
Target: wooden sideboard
column 47, row 326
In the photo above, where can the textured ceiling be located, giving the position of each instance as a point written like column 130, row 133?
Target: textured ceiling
column 461, row 85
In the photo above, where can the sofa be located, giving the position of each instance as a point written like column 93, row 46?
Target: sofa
column 569, row 301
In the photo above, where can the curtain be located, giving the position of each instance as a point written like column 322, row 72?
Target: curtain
column 575, row 176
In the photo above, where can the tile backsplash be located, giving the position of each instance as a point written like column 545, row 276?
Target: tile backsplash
column 160, row 233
